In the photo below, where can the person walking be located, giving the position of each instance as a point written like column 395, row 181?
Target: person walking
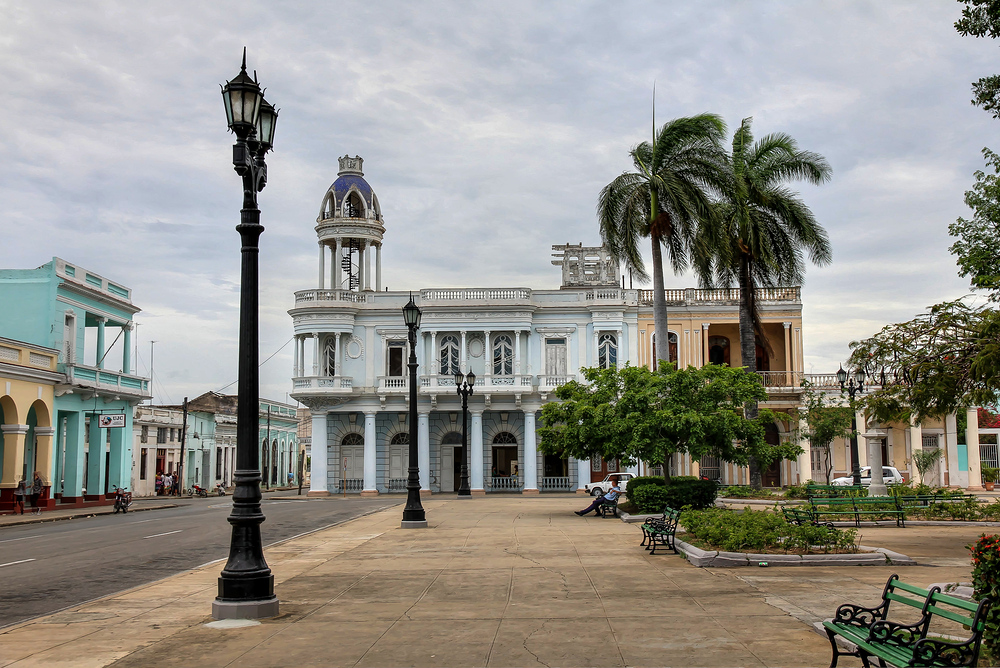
column 19, row 493
column 36, row 493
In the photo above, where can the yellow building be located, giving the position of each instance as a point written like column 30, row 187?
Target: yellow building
column 27, row 380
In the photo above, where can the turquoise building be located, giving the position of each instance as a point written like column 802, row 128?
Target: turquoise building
column 82, row 315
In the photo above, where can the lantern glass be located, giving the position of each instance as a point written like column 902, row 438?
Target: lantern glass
column 470, row 378
column 841, row 375
column 859, row 376
column 266, row 119
column 411, row 314
column 459, row 377
column 242, row 97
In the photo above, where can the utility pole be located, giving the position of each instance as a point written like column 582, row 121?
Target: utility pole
column 267, row 451
column 150, row 372
column 184, row 427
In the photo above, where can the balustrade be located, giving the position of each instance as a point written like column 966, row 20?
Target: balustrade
column 353, row 484
column 475, row 294
column 504, row 483
column 556, row 484
column 397, row 484
column 306, row 296
column 721, row 295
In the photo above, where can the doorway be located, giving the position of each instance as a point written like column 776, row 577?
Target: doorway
column 600, row 468
column 451, row 462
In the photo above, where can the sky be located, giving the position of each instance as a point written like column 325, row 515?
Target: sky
column 487, row 130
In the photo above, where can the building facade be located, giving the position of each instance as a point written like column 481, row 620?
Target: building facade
column 522, row 343
column 65, row 308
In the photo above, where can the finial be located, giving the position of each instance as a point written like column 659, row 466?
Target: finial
column 244, row 65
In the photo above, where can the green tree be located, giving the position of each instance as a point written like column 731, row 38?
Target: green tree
column 664, row 200
column 634, row 414
column 981, row 18
column 978, row 244
column 761, row 229
column 825, row 421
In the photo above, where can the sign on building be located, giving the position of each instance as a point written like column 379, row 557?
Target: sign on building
column 111, row 421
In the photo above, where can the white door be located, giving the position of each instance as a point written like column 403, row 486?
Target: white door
column 355, row 456
column 447, row 468
column 399, row 461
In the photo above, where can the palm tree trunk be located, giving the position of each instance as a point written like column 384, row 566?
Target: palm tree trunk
column 748, row 350
column 659, row 304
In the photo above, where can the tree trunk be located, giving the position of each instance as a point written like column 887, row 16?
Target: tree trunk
column 659, row 305
column 748, row 350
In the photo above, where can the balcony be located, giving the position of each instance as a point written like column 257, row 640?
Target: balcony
column 514, row 384
column 106, row 382
column 392, row 384
column 323, row 385
column 722, row 296
column 444, row 296
column 330, row 297
column 793, row 380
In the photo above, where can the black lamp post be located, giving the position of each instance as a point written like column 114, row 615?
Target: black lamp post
column 854, row 385
column 413, row 513
column 246, row 585
column 464, row 385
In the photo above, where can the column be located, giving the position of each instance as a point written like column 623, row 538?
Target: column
column 322, row 269
column 370, row 488
column 100, row 342
column 687, row 356
column 13, row 455
column 339, row 351
column 424, row 452
column 463, row 356
column 120, row 466
column 951, row 454
column 916, row 445
column 335, row 280
column 595, row 355
column 366, row 283
column 972, row 439
column 378, row 267
column 315, row 338
column 789, row 355
column 95, row 462
column 297, row 357
column 45, row 459
column 583, row 475
column 859, row 419
column 487, row 357
column 704, row 342
column 73, row 473
column 127, row 352
column 476, row 453
column 530, row 453
column 435, row 358
column 517, row 353
column 805, row 459
column 318, row 454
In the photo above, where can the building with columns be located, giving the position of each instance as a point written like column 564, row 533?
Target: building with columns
column 522, row 343
column 68, row 321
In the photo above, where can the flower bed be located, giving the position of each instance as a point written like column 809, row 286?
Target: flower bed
column 762, row 531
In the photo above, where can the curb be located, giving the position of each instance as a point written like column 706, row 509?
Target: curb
column 871, row 556
column 38, row 519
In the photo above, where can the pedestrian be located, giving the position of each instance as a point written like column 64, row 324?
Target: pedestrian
column 177, row 485
column 168, row 484
column 19, row 493
column 158, row 485
column 36, row 493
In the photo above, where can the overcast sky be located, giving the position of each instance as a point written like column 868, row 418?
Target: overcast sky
column 487, row 131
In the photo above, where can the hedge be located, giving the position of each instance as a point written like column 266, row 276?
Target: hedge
column 679, row 492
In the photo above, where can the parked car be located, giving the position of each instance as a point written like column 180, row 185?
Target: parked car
column 598, row 488
column 890, row 476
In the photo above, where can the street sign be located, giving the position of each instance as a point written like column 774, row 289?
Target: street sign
column 111, row 421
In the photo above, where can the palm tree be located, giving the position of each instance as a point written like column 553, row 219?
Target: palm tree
column 664, row 200
column 762, row 229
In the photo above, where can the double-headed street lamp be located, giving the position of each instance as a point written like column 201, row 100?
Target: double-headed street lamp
column 854, row 385
column 413, row 513
column 464, row 385
column 246, row 585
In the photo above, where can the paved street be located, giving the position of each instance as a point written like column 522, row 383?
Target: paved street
column 46, row 567
column 494, row 581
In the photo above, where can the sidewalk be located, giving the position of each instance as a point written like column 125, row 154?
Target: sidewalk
column 10, row 519
column 498, row 581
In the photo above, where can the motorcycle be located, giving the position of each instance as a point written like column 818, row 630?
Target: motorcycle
column 219, row 489
column 198, row 490
column 123, row 500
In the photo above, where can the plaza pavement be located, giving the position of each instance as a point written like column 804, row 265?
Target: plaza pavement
column 497, row 581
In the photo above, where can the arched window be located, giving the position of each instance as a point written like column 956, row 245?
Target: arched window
column 503, row 356
column 330, row 356
column 607, row 351
column 353, row 207
column 353, row 438
column 718, row 350
column 449, row 355
column 504, row 437
column 671, row 350
column 402, row 438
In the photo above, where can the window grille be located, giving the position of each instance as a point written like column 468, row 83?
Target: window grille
column 330, row 356
column 503, row 356
column 449, row 355
column 607, row 351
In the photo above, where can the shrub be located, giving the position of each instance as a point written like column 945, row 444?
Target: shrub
column 986, row 582
column 651, row 498
column 759, row 530
column 691, row 491
column 641, row 480
column 799, row 491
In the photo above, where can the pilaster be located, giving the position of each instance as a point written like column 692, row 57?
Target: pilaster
column 370, row 488
column 476, row 452
column 318, row 455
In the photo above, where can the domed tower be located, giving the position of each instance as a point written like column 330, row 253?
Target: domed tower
column 349, row 224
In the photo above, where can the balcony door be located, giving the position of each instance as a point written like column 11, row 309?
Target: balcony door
column 555, row 357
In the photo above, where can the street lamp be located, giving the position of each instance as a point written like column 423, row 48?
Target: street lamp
column 854, row 385
column 413, row 513
column 246, row 585
column 464, row 385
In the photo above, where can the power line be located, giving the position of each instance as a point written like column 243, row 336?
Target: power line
column 282, row 347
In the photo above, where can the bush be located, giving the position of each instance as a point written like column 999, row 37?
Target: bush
column 799, row 491
column 641, row 480
column 986, row 582
column 691, row 491
column 651, row 498
column 759, row 530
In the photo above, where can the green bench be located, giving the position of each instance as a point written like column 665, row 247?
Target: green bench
column 910, row 644
column 803, row 516
column 858, row 507
column 661, row 530
column 608, row 507
column 924, row 500
column 834, row 491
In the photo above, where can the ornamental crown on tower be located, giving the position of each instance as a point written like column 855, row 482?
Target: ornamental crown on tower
column 349, row 165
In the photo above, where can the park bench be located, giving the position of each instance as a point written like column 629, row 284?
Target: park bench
column 803, row 516
column 834, row 491
column 924, row 500
column 660, row 530
column 857, row 507
column 606, row 507
column 854, row 622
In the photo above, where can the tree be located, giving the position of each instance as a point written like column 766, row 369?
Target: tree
column 761, row 229
column 825, row 421
column 981, row 18
column 634, row 414
column 978, row 245
column 663, row 200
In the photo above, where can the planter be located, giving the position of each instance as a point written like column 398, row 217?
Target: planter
column 988, row 486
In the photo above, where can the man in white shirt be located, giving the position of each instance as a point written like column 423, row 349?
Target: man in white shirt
column 609, row 497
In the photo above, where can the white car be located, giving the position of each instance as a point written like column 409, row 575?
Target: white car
column 890, row 476
column 599, row 488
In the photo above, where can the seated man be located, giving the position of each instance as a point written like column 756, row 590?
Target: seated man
column 607, row 498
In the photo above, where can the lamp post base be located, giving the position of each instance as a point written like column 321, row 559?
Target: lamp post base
column 255, row 609
column 413, row 524
column 878, row 490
